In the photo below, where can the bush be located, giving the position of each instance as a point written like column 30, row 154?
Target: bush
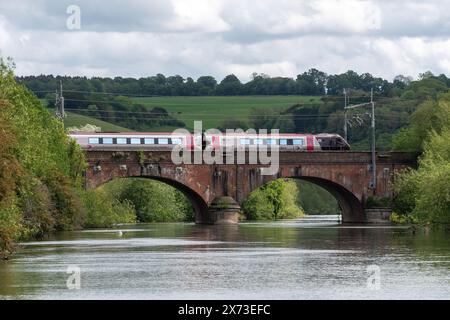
column 10, row 225
column 405, row 191
column 402, row 218
column 433, row 201
column 101, row 211
column 291, row 208
column 38, row 210
column 66, row 202
column 425, row 193
column 277, row 199
column 40, row 168
column 153, row 201
column 408, row 95
column 258, row 207
column 430, row 116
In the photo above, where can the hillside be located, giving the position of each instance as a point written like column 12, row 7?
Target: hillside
column 213, row 110
column 77, row 120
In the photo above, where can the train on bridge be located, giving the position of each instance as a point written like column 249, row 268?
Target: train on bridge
column 240, row 141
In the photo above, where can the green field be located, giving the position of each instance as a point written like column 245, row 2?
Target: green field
column 215, row 109
column 77, row 120
column 212, row 110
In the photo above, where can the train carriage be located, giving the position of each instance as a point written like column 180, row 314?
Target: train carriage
column 242, row 141
column 146, row 140
column 239, row 141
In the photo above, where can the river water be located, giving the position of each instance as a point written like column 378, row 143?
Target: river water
column 312, row 258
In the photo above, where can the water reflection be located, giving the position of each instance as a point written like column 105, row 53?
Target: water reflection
column 271, row 260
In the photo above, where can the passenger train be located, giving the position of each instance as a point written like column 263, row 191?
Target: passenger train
column 167, row 140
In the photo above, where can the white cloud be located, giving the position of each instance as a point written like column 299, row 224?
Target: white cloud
column 217, row 37
column 199, row 15
column 351, row 16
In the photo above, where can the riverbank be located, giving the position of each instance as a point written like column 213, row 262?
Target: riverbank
column 422, row 194
column 41, row 173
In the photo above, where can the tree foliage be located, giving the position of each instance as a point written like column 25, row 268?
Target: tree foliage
column 316, row 200
column 152, row 201
column 277, row 199
column 310, row 82
column 425, row 193
column 102, row 210
column 40, row 169
column 431, row 115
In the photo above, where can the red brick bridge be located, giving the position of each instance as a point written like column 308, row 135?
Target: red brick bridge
column 217, row 190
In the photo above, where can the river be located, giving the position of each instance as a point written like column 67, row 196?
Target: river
column 312, row 258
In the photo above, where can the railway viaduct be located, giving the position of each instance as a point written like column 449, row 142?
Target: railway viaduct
column 217, row 190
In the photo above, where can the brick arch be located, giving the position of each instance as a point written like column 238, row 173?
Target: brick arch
column 346, row 175
column 351, row 206
column 198, row 203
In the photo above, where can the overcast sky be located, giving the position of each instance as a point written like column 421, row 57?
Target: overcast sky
column 219, row 37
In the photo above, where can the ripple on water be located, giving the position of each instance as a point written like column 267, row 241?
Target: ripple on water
column 287, row 260
column 134, row 242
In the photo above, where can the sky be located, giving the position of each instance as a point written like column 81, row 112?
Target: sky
column 141, row 38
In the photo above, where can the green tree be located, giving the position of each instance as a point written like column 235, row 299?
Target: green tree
column 229, row 86
column 312, row 82
column 153, row 201
column 206, row 85
column 425, row 193
column 40, row 167
column 41, row 171
column 431, row 115
column 277, row 199
column 103, row 211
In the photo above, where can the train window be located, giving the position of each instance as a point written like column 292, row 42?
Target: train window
column 149, row 141
column 258, row 141
column 289, row 142
column 271, row 141
column 228, row 142
column 93, row 140
column 176, row 140
column 283, row 142
column 135, row 140
column 163, row 141
column 245, row 141
column 297, row 142
column 121, row 140
column 107, row 140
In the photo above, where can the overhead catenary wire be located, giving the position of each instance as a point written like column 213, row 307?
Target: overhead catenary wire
column 137, row 95
column 194, row 119
column 215, row 115
column 149, row 115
